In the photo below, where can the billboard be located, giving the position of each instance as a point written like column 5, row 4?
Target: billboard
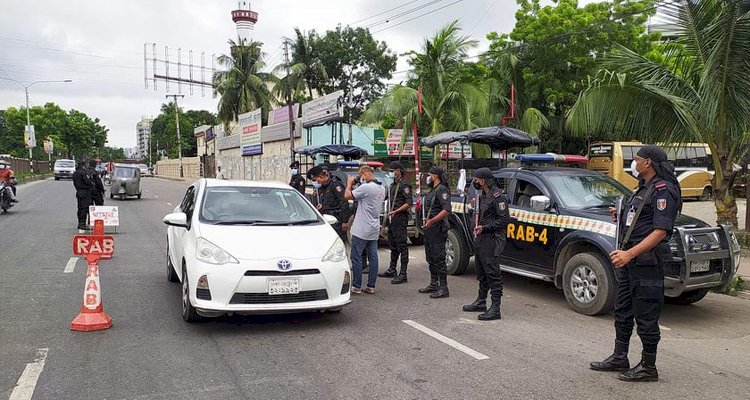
column 281, row 114
column 278, row 124
column 323, row 109
column 29, row 137
column 250, row 139
column 453, row 150
column 397, row 145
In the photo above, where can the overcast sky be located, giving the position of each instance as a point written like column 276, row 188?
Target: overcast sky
column 99, row 44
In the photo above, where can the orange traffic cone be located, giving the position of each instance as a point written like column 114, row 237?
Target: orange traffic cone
column 92, row 316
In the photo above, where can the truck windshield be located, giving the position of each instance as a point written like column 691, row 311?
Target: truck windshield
column 580, row 192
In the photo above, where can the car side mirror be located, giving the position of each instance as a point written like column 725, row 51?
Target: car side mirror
column 330, row 219
column 540, row 203
column 178, row 219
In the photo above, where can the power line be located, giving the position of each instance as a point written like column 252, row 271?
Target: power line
column 402, row 14
column 418, row 16
column 486, row 11
column 384, row 12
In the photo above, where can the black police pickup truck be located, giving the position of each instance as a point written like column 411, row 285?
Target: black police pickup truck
column 561, row 232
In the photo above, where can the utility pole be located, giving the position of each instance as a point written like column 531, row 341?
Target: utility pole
column 177, row 121
column 289, row 101
column 350, row 109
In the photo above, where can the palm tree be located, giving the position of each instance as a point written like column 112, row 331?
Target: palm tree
column 448, row 102
column 242, row 86
column 700, row 91
column 306, row 70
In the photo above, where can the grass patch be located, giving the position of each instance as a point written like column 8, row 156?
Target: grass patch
column 736, row 285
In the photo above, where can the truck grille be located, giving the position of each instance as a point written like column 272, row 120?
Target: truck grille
column 265, row 298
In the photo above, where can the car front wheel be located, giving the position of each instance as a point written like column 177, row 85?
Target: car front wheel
column 188, row 311
column 589, row 284
column 456, row 254
column 171, row 274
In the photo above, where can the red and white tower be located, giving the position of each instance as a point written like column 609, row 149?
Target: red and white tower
column 245, row 20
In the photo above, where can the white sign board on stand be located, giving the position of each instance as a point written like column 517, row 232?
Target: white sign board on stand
column 109, row 214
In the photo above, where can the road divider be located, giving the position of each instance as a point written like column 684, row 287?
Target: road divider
column 94, row 247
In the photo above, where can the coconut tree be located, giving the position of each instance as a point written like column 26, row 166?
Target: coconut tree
column 698, row 91
column 306, row 71
column 243, row 86
column 448, row 102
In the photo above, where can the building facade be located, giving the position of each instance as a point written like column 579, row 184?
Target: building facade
column 143, row 134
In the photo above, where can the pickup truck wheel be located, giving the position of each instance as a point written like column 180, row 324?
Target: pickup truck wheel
column 589, row 284
column 456, row 255
column 417, row 240
column 706, row 195
column 688, row 298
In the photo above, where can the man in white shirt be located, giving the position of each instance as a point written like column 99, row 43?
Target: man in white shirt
column 366, row 227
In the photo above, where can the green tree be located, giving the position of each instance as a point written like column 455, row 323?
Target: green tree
column 243, row 86
column 700, row 91
column 357, row 64
column 553, row 48
column 164, row 131
column 114, row 154
column 306, row 69
column 73, row 132
column 449, row 102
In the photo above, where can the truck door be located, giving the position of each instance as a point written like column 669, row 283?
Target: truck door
column 531, row 238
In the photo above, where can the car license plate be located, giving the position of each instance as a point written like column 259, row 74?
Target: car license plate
column 283, row 286
column 700, row 266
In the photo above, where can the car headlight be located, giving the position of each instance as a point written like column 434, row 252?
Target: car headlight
column 336, row 253
column 210, row 253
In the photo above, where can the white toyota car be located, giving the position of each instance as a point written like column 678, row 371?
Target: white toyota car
column 245, row 247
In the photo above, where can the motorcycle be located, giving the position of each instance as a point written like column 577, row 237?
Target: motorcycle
column 5, row 201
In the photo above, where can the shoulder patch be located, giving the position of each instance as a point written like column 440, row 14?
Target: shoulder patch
column 496, row 194
column 501, row 205
column 406, row 190
column 661, row 186
column 661, row 204
column 338, row 188
column 445, row 196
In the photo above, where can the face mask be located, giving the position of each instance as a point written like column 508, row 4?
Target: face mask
column 294, row 171
column 317, row 185
column 476, row 185
column 391, row 174
column 429, row 182
column 634, row 170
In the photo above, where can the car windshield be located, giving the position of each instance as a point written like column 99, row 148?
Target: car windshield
column 581, row 192
column 228, row 205
column 65, row 164
column 124, row 172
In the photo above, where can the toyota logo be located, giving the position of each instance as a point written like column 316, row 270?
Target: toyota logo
column 284, row 265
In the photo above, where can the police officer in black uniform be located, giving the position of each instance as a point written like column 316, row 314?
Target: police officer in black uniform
column 97, row 195
column 297, row 181
column 400, row 200
column 646, row 224
column 84, row 189
column 329, row 198
column 435, row 227
column 490, row 234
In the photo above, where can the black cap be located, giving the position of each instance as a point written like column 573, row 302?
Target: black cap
column 396, row 165
column 316, row 171
column 437, row 171
column 654, row 153
column 483, row 173
column 294, row 164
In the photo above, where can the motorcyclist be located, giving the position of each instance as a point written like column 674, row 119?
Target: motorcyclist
column 7, row 176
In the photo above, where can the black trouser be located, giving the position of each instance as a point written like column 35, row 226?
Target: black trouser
column 397, row 241
column 487, row 259
column 98, row 198
column 84, row 201
column 434, row 249
column 640, row 296
column 340, row 231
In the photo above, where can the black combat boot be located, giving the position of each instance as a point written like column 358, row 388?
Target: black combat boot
column 494, row 311
column 389, row 273
column 401, row 277
column 618, row 361
column 645, row 371
column 480, row 304
column 432, row 287
column 442, row 291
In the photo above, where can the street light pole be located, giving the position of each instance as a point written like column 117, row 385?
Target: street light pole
column 177, row 121
column 28, row 114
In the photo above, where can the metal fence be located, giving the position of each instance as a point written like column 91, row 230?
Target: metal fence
column 22, row 165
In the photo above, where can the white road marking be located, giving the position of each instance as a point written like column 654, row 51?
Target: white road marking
column 70, row 266
column 156, row 197
column 450, row 342
column 27, row 382
column 664, row 328
column 169, row 204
